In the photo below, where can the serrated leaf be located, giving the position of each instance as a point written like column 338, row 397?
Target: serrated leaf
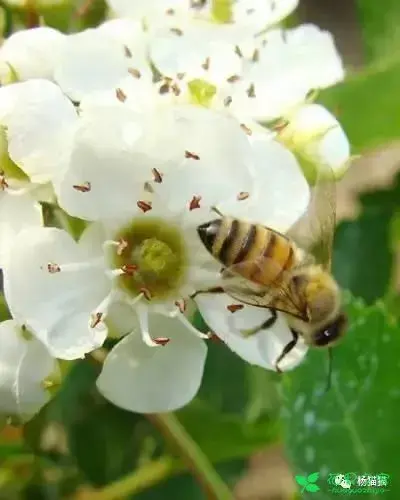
column 312, row 488
column 350, row 428
column 301, row 480
column 312, row 478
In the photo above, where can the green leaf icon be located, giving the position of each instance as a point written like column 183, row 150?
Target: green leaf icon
column 301, row 480
column 312, row 478
column 312, row 488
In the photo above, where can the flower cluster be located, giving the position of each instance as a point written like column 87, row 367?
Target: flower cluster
column 140, row 128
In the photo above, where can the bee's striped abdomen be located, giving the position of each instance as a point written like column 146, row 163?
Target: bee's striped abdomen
column 257, row 252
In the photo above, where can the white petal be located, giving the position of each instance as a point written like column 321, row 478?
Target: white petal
column 16, row 213
column 104, row 158
column 222, row 168
column 154, row 379
column 40, row 122
column 33, row 53
column 261, row 349
column 90, row 61
column 280, row 194
column 316, row 133
column 24, row 364
column 55, row 306
column 149, row 10
column 261, row 13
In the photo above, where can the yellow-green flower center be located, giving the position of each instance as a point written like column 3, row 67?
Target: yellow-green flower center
column 152, row 255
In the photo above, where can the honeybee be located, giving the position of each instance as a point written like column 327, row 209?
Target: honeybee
column 289, row 273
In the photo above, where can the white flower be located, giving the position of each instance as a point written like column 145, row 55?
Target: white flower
column 24, row 365
column 148, row 181
column 30, row 54
column 317, row 137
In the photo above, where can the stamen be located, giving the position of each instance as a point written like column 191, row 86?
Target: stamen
column 192, row 156
column 127, row 51
column 120, row 94
column 233, row 79
column 246, row 129
column 227, row 101
column 146, row 293
column 256, row 55
column 170, row 12
column 181, row 305
column 114, row 273
column 280, row 125
column 96, row 318
column 194, row 203
column 180, row 76
column 251, row 91
column 164, row 89
column 83, row 188
column 234, row 307
column 176, row 31
column 175, row 89
column 54, row 268
column 243, row 195
column 122, row 245
column 206, row 64
column 145, row 206
column 148, row 187
column 129, row 269
column 143, row 317
column 183, row 319
column 135, row 72
column 157, row 175
column 238, row 52
column 3, row 182
column 101, row 310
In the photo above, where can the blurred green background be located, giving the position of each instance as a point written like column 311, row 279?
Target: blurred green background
column 258, row 429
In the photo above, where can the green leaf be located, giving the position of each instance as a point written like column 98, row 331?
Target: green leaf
column 350, row 428
column 363, row 254
column 379, row 27
column 312, row 478
column 312, row 488
column 302, row 480
column 368, row 105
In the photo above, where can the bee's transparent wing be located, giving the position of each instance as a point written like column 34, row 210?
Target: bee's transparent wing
column 276, row 295
column 314, row 231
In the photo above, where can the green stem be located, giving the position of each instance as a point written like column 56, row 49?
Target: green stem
column 144, row 477
column 192, row 455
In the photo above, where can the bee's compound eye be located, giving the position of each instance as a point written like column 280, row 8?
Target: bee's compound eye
column 208, row 231
column 330, row 333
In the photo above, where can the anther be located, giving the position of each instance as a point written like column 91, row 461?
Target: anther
column 246, row 129
column 146, row 293
column 176, row 31
column 157, row 175
column 164, row 89
column 181, row 305
column 148, row 187
column 256, row 55
column 251, row 91
column 127, row 51
column 175, row 90
column 280, row 125
column 180, row 76
column 83, row 188
column 3, row 182
column 129, row 269
column 243, row 195
column 120, row 94
column 206, row 64
column 122, row 245
column 233, row 79
column 145, row 206
column 170, row 12
column 234, row 307
column 134, row 72
column 214, row 338
column 161, row 340
column 96, row 318
column 53, row 268
column 238, row 52
column 194, row 203
column 192, row 156
column 227, row 101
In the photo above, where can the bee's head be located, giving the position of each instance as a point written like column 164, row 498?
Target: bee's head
column 330, row 333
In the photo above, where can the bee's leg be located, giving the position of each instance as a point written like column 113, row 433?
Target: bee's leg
column 265, row 325
column 288, row 347
column 215, row 289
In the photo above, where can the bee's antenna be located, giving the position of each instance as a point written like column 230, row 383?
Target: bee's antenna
column 217, row 211
column 330, row 363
